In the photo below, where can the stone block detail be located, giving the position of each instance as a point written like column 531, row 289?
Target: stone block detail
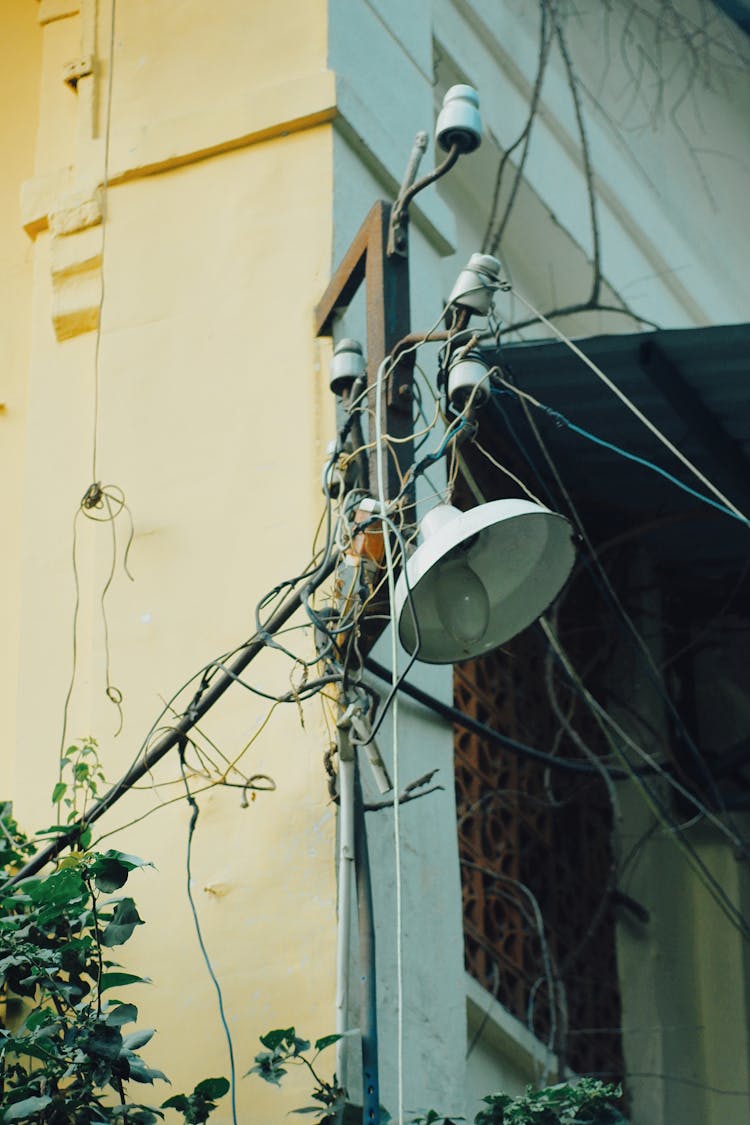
column 76, row 264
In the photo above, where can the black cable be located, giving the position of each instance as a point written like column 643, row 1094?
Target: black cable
column 453, row 715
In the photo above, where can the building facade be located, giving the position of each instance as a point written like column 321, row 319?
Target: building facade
column 180, row 181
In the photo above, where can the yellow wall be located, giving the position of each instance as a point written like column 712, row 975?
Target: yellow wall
column 213, row 416
column 20, row 61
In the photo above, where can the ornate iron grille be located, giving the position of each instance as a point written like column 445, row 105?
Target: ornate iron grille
column 536, row 856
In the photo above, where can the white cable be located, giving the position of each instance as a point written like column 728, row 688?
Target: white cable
column 633, row 408
column 380, row 454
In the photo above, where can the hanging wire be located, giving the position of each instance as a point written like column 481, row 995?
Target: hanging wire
column 194, row 814
column 105, row 216
column 631, row 406
column 561, row 420
column 626, row 619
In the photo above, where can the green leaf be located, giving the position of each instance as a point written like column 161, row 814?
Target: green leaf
column 326, row 1041
column 20, row 1110
column 119, row 980
column 120, row 1014
column 106, row 1042
column 39, row 1017
column 59, row 792
column 124, row 921
column 178, row 1102
column 274, row 1039
column 212, row 1088
column 268, row 1068
column 137, row 1039
column 60, row 887
column 130, row 861
column 109, row 874
column 140, row 1072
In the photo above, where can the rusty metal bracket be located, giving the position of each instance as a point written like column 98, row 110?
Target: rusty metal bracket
column 386, row 282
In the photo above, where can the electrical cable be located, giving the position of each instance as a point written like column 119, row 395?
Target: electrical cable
column 717, row 892
column 105, row 216
column 468, row 722
column 194, row 814
column 653, row 765
column 141, row 765
column 631, row 406
column 561, row 420
column 504, row 469
column 635, row 636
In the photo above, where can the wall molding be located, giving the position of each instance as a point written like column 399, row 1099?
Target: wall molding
column 278, row 111
column 51, row 10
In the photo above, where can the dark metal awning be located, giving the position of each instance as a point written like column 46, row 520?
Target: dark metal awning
column 693, row 385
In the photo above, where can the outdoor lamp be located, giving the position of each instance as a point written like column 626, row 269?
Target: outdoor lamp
column 480, row 577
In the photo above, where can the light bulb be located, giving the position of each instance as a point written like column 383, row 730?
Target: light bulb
column 461, row 601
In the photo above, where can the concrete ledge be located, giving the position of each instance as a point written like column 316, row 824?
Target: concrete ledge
column 51, row 10
column 505, row 1034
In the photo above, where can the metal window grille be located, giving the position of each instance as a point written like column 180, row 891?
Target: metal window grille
column 537, row 860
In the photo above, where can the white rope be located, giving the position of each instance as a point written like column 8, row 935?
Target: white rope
column 380, row 455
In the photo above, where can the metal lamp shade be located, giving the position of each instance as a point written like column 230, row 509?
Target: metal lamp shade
column 521, row 553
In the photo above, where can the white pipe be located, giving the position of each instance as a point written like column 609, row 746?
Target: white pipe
column 346, row 871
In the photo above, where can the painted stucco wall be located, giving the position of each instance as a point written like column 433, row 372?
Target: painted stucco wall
column 212, row 418
column 20, row 58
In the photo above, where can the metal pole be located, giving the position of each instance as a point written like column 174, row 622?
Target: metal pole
column 183, row 725
column 346, row 868
column 366, row 917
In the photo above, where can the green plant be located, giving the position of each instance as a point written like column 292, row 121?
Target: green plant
column 432, row 1117
column 197, row 1106
column 284, row 1048
column 66, row 1051
column 584, row 1102
column 81, row 776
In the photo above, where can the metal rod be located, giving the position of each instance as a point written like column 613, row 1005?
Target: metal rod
column 346, row 868
column 183, row 725
column 396, row 233
column 398, row 243
column 366, row 918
